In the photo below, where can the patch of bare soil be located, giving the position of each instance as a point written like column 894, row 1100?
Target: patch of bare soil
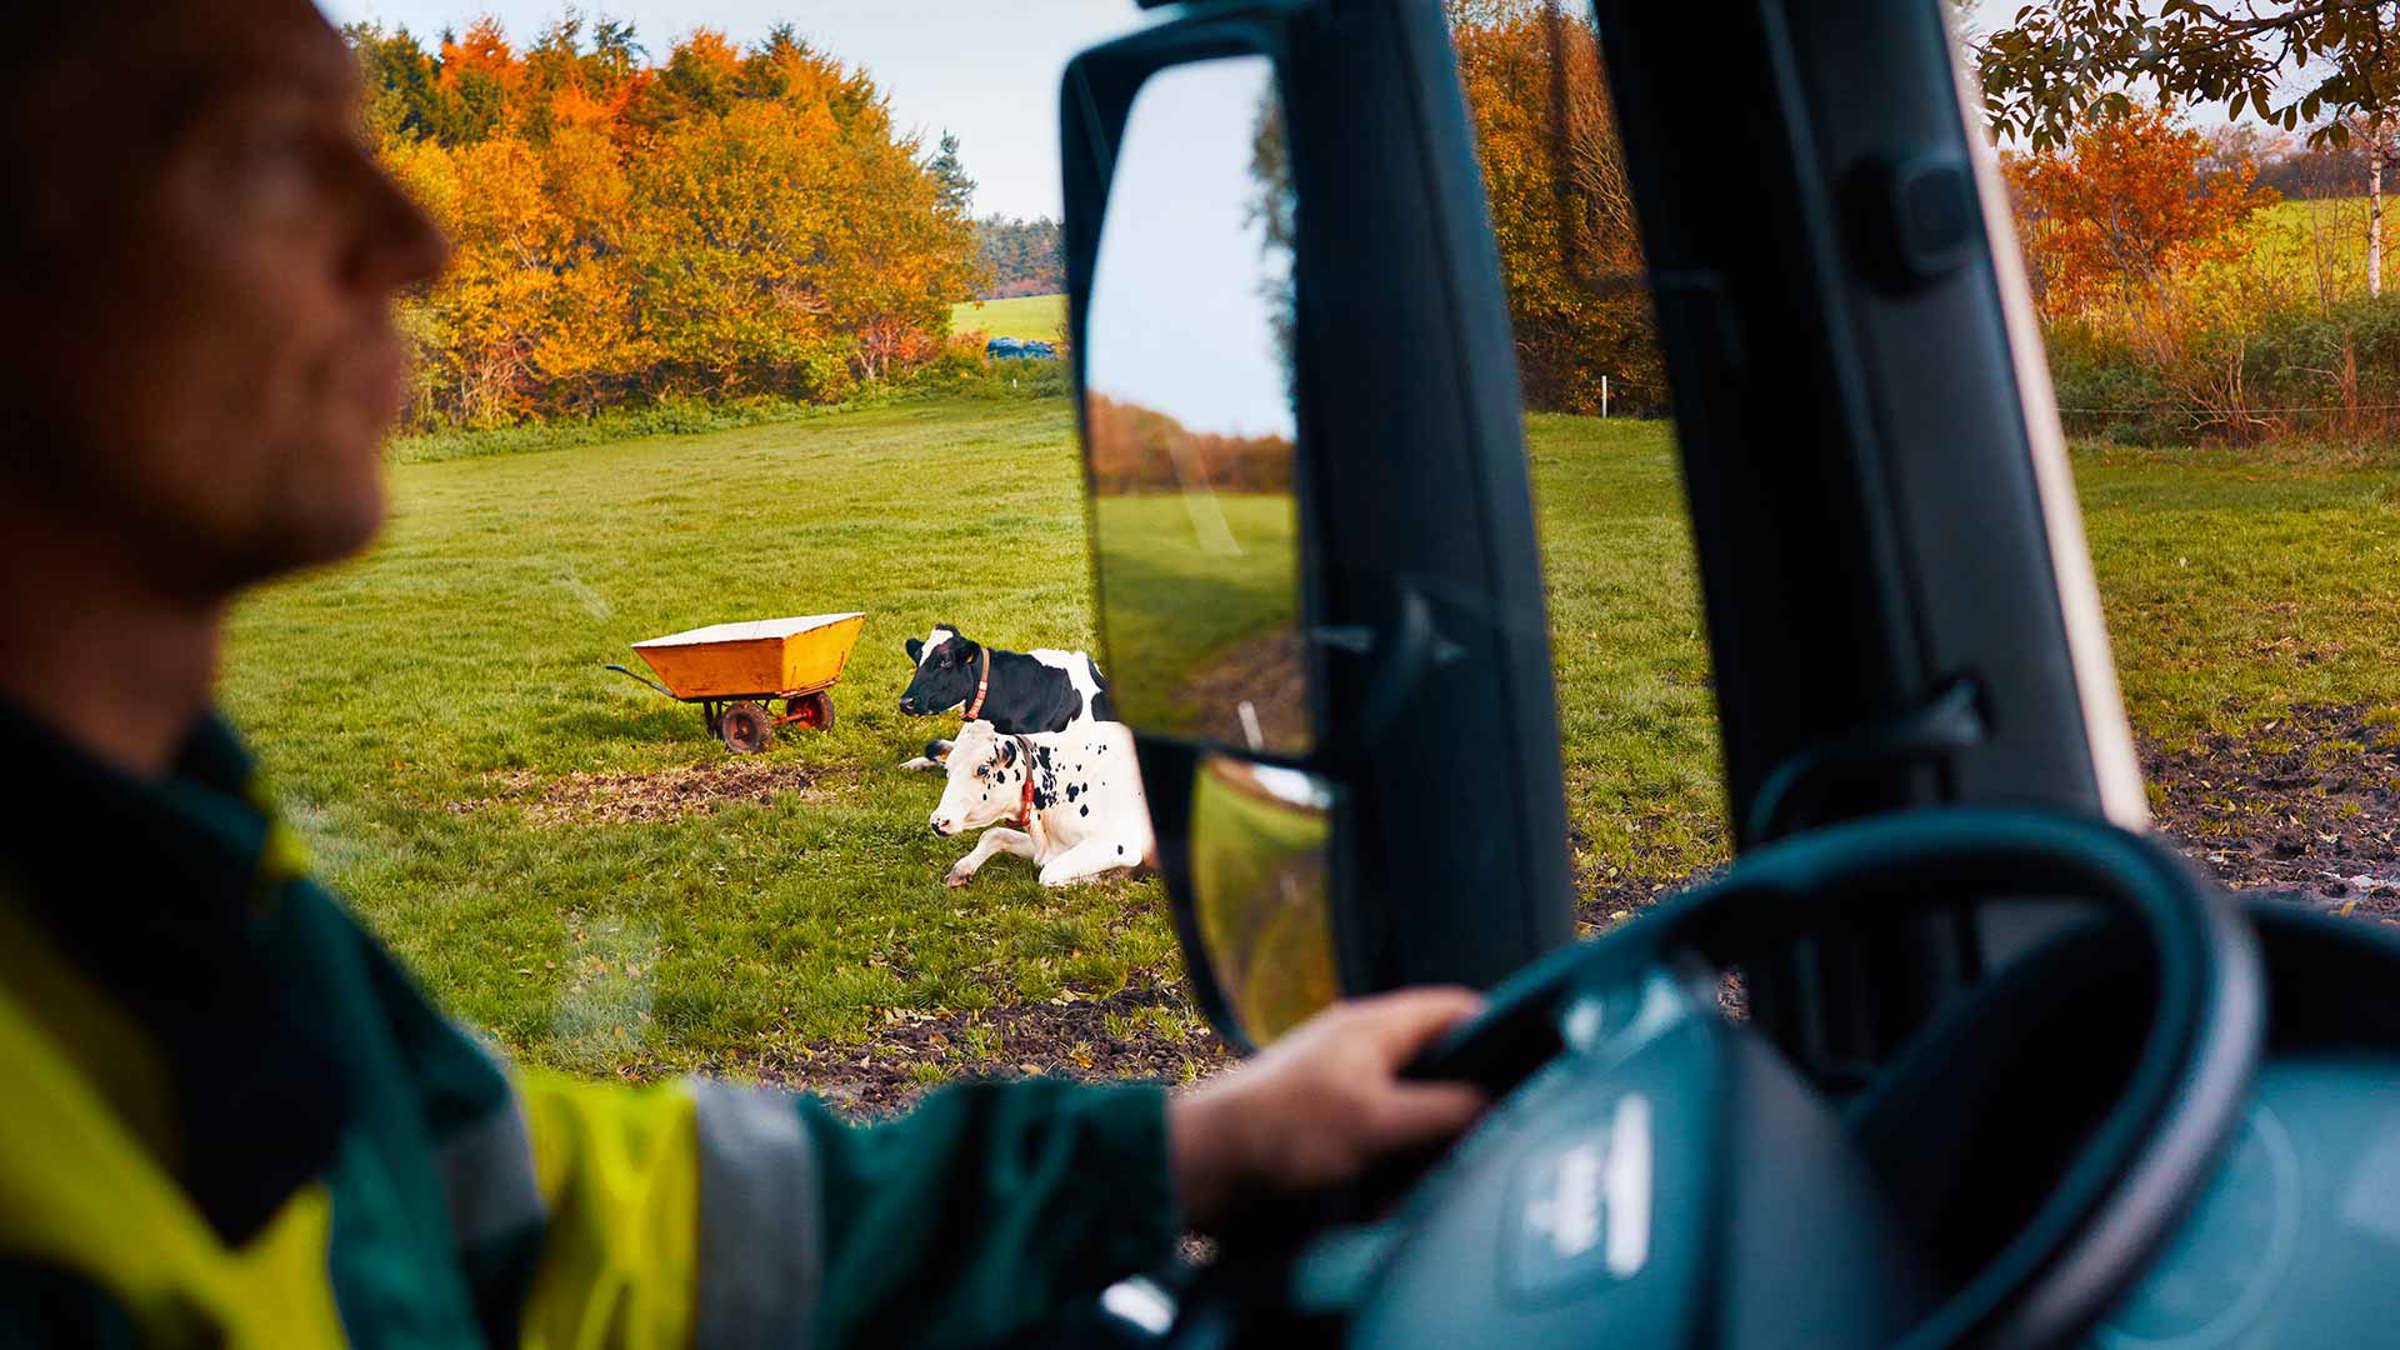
column 620, row 798
column 2307, row 803
column 1067, row 1037
column 1607, row 894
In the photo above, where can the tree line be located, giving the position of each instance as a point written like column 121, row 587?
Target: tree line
column 1020, row 257
column 2179, row 301
column 727, row 222
column 735, row 221
column 1138, row 450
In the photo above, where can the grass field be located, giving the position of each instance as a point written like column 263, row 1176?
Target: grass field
column 574, row 865
column 1025, row 316
column 1186, row 590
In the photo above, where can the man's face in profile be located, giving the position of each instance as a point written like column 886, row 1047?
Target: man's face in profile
column 205, row 351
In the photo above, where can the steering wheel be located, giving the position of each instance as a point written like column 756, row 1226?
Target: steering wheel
column 1655, row 1174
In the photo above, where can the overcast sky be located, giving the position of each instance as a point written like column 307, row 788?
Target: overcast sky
column 988, row 72
column 1180, row 318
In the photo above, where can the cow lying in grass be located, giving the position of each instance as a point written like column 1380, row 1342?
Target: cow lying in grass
column 1019, row 693
column 1071, row 801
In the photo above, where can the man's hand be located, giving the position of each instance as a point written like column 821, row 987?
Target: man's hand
column 1316, row 1107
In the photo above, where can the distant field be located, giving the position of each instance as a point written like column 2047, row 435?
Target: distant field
column 572, row 863
column 2303, row 241
column 1025, row 316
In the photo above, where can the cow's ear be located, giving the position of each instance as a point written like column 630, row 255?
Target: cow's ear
column 916, row 649
column 1008, row 754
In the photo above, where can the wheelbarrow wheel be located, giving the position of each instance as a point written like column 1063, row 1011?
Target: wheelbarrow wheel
column 814, row 711
column 746, row 728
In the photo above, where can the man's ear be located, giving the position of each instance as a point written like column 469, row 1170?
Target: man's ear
column 916, row 649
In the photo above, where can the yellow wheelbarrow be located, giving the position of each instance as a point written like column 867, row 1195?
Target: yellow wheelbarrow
column 736, row 671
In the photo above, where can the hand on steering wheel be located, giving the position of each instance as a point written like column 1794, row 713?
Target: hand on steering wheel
column 1659, row 1175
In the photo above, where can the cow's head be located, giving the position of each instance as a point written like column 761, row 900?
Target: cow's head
column 946, row 665
column 987, row 780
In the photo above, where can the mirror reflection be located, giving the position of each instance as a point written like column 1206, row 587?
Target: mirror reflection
column 1188, row 415
column 1262, row 841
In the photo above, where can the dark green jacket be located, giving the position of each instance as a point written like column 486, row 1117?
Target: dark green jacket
column 232, row 1119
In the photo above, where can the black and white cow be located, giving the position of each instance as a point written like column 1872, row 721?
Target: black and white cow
column 1017, row 692
column 1071, row 800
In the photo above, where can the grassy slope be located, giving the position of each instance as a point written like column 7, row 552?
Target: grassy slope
column 2237, row 588
column 1175, row 604
column 459, row 663
column 463, row 656
column 1024, row 316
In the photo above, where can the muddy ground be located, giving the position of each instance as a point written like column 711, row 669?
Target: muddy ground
column 1066, row 1037
column 617, row 798
column 2308, row 803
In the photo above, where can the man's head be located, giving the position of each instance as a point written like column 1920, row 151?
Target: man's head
column 199, row 260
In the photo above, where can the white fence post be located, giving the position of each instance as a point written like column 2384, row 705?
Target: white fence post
column 1604, row 396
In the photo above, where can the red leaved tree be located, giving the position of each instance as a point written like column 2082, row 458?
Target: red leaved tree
column 2126, row 203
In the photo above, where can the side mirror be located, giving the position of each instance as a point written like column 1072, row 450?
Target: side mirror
column 1311, row 523
column 1190, row 432
column 1250, row 851
column 1185, row 351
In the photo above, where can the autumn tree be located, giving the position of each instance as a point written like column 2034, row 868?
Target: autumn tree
column 2330, row 66
column 729, row 222
column 480, row 77
column 1570, row 255
column 2123, row 203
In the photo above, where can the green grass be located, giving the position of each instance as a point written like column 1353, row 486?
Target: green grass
column 2238, row 586
column 1176, row 604
column 460, row 662
column 2296, row 241
column 1025, row 316
column 416, row 706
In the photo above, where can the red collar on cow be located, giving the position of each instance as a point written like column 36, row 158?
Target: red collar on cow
column 983, row 686
column 1024, row 820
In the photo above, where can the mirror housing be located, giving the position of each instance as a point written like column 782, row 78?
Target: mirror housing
column 1425, row 623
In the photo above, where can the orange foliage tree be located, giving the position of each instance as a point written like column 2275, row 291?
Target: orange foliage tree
column 728, row 222
column 1570, row 255
column 2125, row 204
column 1138, row 450
column 2139, row 246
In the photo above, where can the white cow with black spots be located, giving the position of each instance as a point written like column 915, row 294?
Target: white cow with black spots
column 1071, row 801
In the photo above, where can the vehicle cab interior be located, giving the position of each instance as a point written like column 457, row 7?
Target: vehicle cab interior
column 1956, row 1051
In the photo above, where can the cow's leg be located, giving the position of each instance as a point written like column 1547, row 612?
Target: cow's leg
column 998, row 839
column 934, row 760
column 1091, row 858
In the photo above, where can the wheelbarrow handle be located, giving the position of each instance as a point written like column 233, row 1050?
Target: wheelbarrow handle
column 643, row 678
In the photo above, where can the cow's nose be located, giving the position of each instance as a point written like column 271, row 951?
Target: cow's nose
column 941, row 825
column 907, row 704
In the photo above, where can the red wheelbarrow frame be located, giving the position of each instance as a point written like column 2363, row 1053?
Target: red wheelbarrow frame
column 742, row 721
